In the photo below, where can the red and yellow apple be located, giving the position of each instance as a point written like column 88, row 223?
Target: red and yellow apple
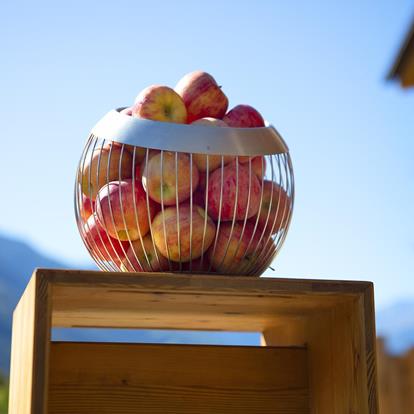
column 275, row 208
column 236, row 250
column 122, row 209
column 238, row 189
column 96, row 172
column 160, row 103
column 202, row 96
column 169, row 176
column 183, row 234
column 143, row 257
column 104, row 247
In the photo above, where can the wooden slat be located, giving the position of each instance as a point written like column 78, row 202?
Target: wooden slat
column 153, row 301
column 172, row 379
column 30, row 347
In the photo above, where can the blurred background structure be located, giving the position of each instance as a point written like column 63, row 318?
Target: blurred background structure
column 316, row 70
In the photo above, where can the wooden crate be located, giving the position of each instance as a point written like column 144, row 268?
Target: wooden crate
column 318, row 353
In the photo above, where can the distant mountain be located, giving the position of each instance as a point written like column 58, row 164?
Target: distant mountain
column 396, row 324
column 17, row 262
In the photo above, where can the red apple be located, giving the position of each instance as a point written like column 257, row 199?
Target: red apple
column 275, row 209
column 202, row 96
column 93, row 178
column 142, row 257
column 105, row 247
column 160, row 103
column 187, row 233
column 244, row 116
column 235, row 251
column 240, row 193
column 168, row 176
column 121, row 207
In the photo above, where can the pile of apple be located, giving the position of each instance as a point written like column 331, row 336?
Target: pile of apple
column 142, row 217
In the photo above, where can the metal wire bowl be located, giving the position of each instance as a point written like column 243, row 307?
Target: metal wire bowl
column 155, row 196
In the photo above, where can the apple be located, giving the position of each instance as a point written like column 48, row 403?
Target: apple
column 160, row 103
column 103, row 246
column 121, row 207
column 236, row 250
column 86, row 207
column 93, row 178
column 239, row 194
column 168, row 176
column 214, row 161
column 143, row 257
column 183, row 234
column 202, row 96
column 244, row 116
column 276, row 205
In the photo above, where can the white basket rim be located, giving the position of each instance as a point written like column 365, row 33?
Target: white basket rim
column 125, row 129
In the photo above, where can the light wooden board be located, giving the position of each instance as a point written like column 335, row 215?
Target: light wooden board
column 30, row 347
column 176, row 379
column 154, row 301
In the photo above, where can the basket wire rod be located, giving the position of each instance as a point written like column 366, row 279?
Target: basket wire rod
column 232, row 222
column 191, row 213
column 147, row 182
column 122, row 211
column 251, row 268
column 256, row 223
column 233, row 259
column 213, row 251
column 270, row 252
column 163, row 210
column 78, row 204
column 178, row 211
column 110, row 208
column 111, row 266
column 136, row 217
column 205, row 214
column 287, row 214
column 273, row 200
column 95, row 253
column 263, row 231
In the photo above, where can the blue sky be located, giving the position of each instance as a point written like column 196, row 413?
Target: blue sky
column 316, row 70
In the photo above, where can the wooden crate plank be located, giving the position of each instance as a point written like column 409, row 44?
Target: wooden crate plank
column 169, row 379
column 153, row 301
column 30, row 347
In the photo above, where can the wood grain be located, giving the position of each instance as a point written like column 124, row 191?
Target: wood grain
column 154, row 301
column 173, row 379
column 30, row 347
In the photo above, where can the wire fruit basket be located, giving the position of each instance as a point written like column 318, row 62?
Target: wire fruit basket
column 155, row 196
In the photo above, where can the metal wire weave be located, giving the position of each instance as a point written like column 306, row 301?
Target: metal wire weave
column 143, row 209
